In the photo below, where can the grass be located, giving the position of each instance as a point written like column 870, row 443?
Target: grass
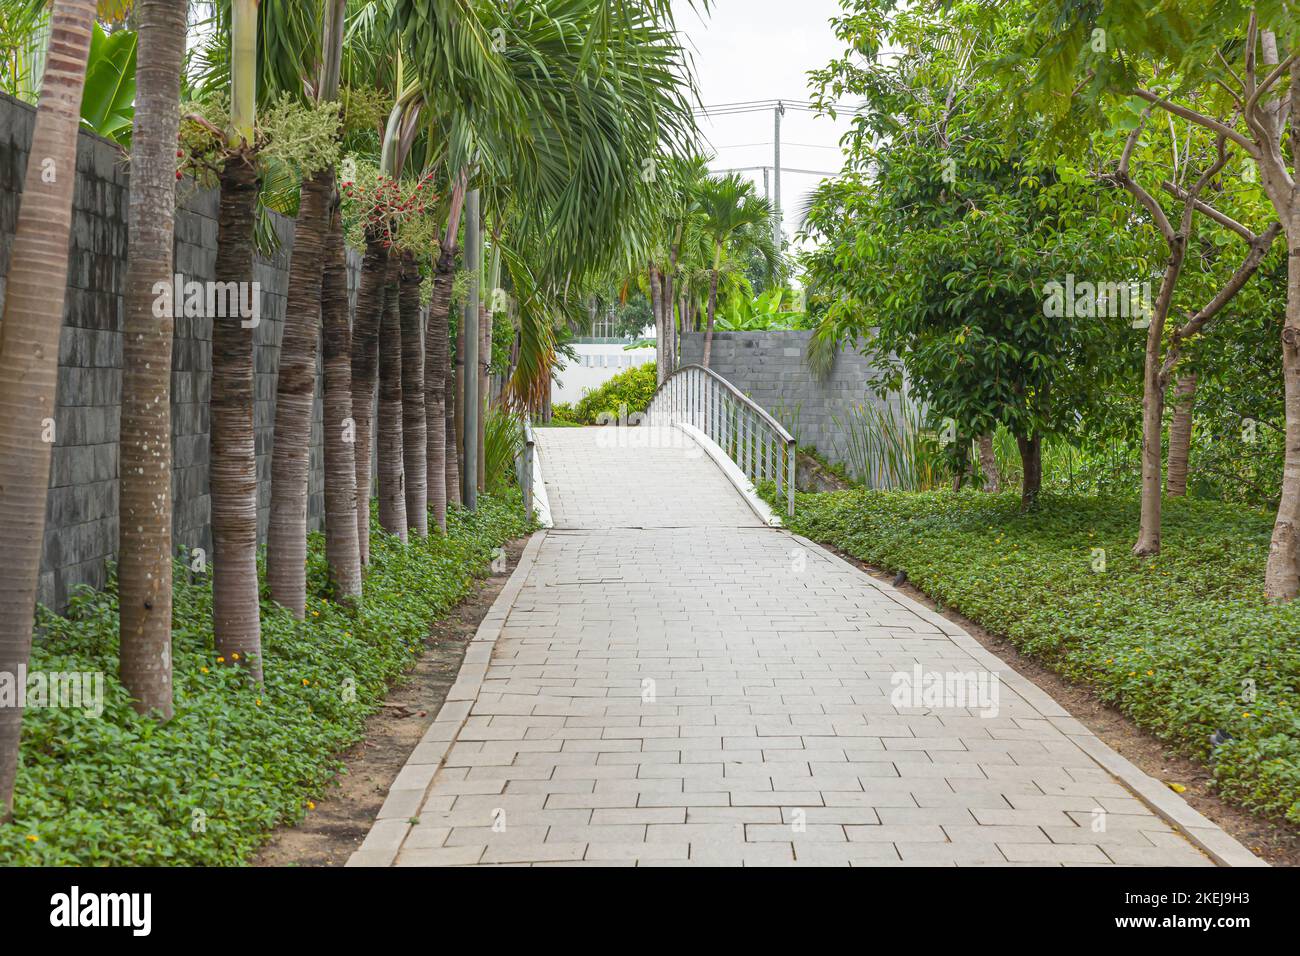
column 1184, row 643
column 236, row 761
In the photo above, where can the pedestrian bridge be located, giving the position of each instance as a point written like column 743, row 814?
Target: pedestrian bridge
column 668, row 678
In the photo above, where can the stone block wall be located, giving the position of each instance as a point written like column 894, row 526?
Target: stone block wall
column 772, row 368
column 81, row 519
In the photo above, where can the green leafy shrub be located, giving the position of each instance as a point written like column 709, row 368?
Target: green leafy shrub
column 1184, row 643
column 632, row 389
column 503, row 439
column 236, row 761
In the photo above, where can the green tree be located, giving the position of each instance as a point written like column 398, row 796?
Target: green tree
column 943, row 238
column 736, row 220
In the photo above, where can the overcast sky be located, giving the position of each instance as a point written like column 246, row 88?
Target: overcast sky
column 757, row 50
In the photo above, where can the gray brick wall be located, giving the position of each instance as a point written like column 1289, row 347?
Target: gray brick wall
column 772, row 369
column 81, row 519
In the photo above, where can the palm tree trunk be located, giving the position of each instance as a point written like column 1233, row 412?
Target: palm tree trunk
column 1180, row 435
column 713, row 305
column 145, row 464
column 458, row 410
column 29, row 350
column 485, row 362
column 286, row 546
column 233, row 454
column 392, row 492
column 365, row 364
column 661, row 327
column 435, row 386
column 342, row 550
column 414, row 429
column 449, row 400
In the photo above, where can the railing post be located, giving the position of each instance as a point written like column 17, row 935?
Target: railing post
column 791, row 453
column 527, row 477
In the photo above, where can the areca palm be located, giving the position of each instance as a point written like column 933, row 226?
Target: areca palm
column 295, row 384
column 145, row 532
column 29, row 349
column 733, row 216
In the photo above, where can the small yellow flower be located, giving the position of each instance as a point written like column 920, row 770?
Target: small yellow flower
column 347, row 633
column 259, row 702
column 305, row 682
column 1110, row 660
column 310, row 805
column 1151, row 673
column 32, row 838
column 235, row 656
column 315, row 613
column 1247, row 714
column 204, row 669
column 221, row 660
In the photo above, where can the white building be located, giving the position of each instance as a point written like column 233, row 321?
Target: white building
column 598, row 361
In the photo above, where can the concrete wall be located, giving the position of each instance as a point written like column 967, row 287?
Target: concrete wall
column 81, row 521
column 772, row 369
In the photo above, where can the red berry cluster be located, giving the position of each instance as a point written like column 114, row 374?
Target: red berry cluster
column 388, row 203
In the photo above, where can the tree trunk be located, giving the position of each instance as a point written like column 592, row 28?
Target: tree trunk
column 392, row 491
column 1031, row 461
column 414, row 429
column 145, row 454
column 989, row 465
column 453, row 462
column 1153, row 413
column 485, row 363
column 1282, row 574
column 342, row 549
column 233, row 455
column 661, row 328
column 436, row 353
column 1180, row 435
column 29, row 350
column 295, row 393
column 365, row 363
column 713, row 305
column 458, row 410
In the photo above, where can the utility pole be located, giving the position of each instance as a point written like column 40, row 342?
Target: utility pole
column 474, row 265
column 767, row 186
column 776, row 171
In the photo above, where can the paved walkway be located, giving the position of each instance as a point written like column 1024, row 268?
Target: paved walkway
column 666, row 681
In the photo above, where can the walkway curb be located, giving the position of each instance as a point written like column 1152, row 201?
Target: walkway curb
column 1203, row 833
column 411, row 787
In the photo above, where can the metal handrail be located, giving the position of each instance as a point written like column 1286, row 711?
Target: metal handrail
column 758, row 444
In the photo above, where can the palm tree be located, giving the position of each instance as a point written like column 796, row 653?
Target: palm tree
column 145, row 528
column 29, row 350
column 437, row 358
column 730, row 210
column 392, row 492
column 415, row 439
column 286, row 548
column 233, row 456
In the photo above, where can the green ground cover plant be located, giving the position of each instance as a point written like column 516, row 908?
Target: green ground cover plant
column 236, row 761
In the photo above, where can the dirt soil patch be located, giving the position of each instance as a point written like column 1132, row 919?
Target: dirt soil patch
column 334, row 829
column 1275, row 841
